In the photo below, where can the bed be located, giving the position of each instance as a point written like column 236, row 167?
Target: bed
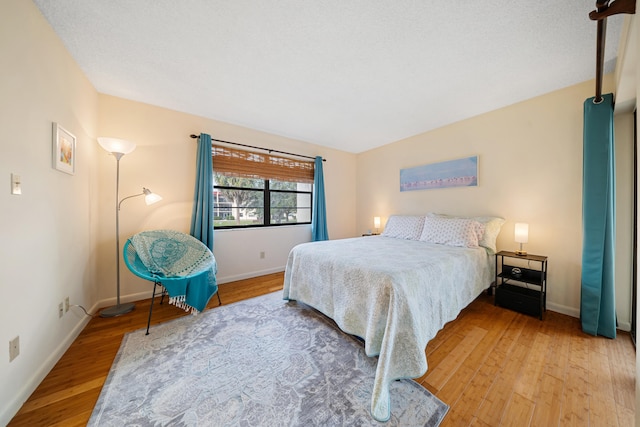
column 396, row 290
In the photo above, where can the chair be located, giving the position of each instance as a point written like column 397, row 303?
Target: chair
column 180, row 264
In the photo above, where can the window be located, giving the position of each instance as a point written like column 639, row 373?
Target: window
column 256, row 190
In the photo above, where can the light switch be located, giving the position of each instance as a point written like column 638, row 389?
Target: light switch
column 16, row 184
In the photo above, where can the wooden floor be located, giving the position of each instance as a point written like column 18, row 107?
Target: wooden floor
column 494, row 367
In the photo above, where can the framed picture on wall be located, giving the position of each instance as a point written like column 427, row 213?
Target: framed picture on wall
column 64, row 150
column 453, row 173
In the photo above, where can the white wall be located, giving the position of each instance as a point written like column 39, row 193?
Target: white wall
column 627, row 94
column 530, row 170
column 630, row 79
column 47, row 251
column 164, row 161
column 624, row 217
column 625, row 103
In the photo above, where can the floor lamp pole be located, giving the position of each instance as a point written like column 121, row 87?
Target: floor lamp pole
column 117, row 309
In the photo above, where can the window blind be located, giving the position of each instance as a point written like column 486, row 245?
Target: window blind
column 249, row 164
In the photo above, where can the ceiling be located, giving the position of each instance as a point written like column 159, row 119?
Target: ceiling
column 351, row 75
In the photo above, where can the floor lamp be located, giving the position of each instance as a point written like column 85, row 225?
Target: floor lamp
column 120, row 147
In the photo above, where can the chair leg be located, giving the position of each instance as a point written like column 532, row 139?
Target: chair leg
column 218, row 293
column 153, row 297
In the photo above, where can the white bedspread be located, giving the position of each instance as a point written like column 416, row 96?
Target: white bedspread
column 396, row 294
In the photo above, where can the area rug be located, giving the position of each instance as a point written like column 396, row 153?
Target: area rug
column 259, row 362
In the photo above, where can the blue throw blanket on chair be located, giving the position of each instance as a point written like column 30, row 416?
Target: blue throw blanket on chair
column 183, row 264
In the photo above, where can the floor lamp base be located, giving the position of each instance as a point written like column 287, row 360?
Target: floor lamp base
column 117, row 310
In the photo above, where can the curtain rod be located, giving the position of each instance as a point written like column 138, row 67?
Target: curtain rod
column 604, row 10
column 259, row 148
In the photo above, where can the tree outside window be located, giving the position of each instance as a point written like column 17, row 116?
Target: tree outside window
column 251, row 202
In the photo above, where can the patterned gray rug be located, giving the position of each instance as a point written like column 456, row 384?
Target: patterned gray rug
column 259, row 362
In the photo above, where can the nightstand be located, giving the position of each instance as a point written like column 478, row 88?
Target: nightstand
column 521, row 282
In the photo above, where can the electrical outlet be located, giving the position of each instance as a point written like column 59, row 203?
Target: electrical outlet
column 60, row 310
column 14, row 348
column 261, row 255
column 66, row 304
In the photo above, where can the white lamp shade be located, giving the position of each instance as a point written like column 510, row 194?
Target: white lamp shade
column 150, row 197
column 376, row 222
column 115, row 145
column 522, row 232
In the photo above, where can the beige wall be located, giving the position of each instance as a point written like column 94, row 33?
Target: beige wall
column 530, row 170
column 164, row 161
column 47, row 251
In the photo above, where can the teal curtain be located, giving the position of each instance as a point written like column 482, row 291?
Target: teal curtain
column 597, row 304
column 319, row 215
column 202, row 215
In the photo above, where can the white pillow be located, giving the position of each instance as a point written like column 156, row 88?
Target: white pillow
column 462, row 232
column 404, row 227
column 492, row 226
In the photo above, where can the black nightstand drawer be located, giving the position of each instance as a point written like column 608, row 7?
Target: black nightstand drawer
column 518, row 298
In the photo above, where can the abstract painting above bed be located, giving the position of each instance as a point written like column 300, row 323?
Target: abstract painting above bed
column 394, row 293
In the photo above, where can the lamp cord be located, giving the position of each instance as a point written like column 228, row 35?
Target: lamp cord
column 83, row 309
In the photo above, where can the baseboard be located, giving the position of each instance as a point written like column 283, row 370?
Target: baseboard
column 227, row 279
column 574, row 312
column 108, row 302
column 624, row 326
column 38, row 376
column 563, row 309
column 124, row 298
